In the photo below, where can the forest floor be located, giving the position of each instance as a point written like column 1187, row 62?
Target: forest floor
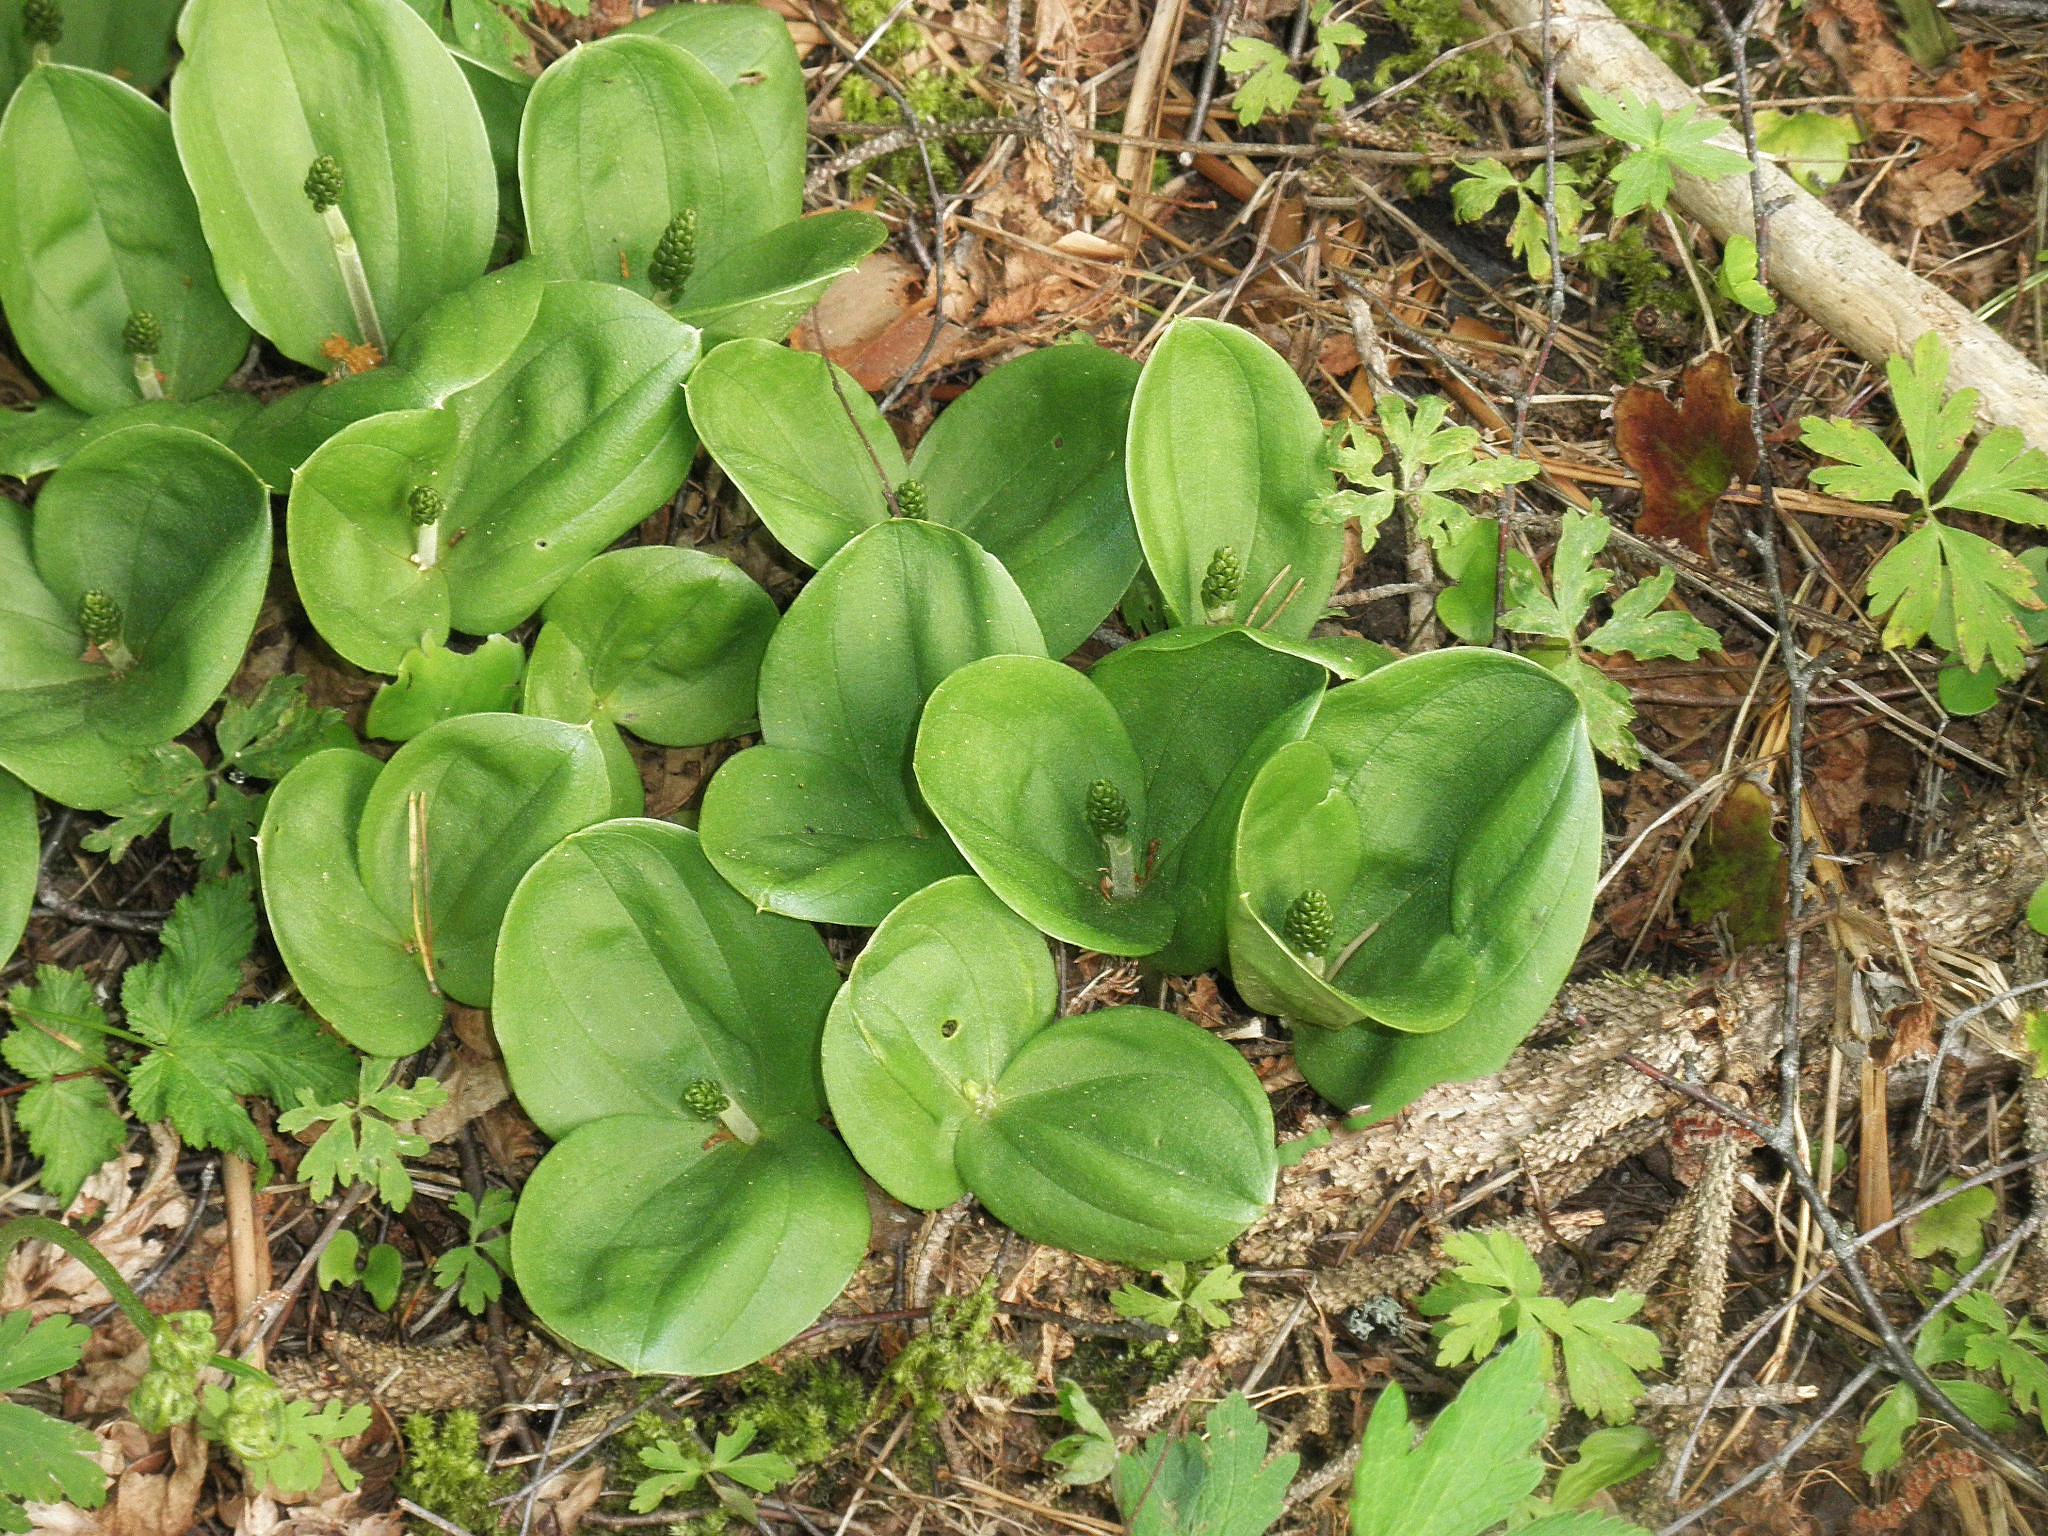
column 1047, row 191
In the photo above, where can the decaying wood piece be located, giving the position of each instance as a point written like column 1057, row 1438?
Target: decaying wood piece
column 1833, row 271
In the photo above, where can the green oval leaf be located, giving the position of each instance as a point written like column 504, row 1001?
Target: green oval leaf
column 620, row 137
column 1029, row 463
column 402, row 875
column 1226, row 453
column 129, row 39
column 646, row 1241
column 947, row 990
column 1129, row 1135
column 762, row 288
column 267, row 86
column 441, row 684
column 176, row 530
column 627, row 969
column 20, row 852
column 822, row 821
column 1448, row 807
column 803, row 452
column 1006, row 755
column 748, row 49
column 541, row 463
column 96, row 224
column 666, row 642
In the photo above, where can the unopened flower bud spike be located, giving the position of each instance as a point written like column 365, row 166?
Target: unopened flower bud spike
column 675, row 254
column 426, row 507
column 1220, row 585
column 706, row 1098
column 324, row 187
column 42, row 24
column 1310, row 925
column 913, row 502
column 99, row 616
column 140, row 338
column 1108, row 815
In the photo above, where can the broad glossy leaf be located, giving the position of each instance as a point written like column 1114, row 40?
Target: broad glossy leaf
column 945, row 993
column 763, row 287
column 46, row 438
column 1009, row 747
column 441, row 684
column 1226, row 452
column 367, row 869
column 619, row 137
column 748, row 48
column 654, row 1244
column 666, row 642
column 354, row 966
column 804, row 453
column 129, row 39
column 823, row 820
column 177, row 531
column 96, row 223
column 1030, row 464
column 627, row 969
column 542, row 462
column 496, row 792
column 1447, row 807
column 500, row 92
column 1129, row 1135
column 20, row 848
column 459, row 341
column 1006, row 753
column 266, row 87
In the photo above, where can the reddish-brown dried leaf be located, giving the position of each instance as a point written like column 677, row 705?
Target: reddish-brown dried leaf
column 1685, row 451
column 1738, row 869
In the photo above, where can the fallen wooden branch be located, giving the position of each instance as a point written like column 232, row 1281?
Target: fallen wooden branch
column 1831, row 270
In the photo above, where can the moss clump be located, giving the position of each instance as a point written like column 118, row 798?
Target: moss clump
column 807, row 1412
column 935, row 96
column 1694, row 60
column 956, row 1356
column 445, row 1471
column 1433, row 28
column 1654, row 298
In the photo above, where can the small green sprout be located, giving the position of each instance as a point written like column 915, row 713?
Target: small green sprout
column 99, row 617
column 1310, row 924
column 324, row 187
column 912, row 501
column 705, row 1098
column 675, row 253
column 141, row 338
column 42, row 23
column 1220, row 584
column 426, row 507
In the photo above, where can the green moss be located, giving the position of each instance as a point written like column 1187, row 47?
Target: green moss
column 806, row 1412
column 935, row 96
column 445, row 1471
column 956, row 1356
column 1649, row 291
column 1693, row 60
column 1433, row 27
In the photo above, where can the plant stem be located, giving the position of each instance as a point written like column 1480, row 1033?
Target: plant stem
column 1692, row 272
column 40, row 1229
column 426, row 546
column 740, row 1123
column 145, row 377
column 1123, row 867
column 353, row 277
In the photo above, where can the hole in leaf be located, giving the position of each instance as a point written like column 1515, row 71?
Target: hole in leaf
column 949, row 1029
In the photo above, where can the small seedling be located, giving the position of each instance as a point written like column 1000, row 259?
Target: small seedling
column 380, row 1272
column 1195, row 1305
column 480, row 1265
column 363, row 1140
column 726, row 1463
column 1089, row 1454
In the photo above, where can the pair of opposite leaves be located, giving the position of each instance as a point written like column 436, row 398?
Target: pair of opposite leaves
column 628, row 973
column 81, row 152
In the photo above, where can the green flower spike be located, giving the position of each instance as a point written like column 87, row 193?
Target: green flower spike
column 1108, row 815
column 912, row 501
column 1220, row 584
column 675, row 253
column 99, row 617
column 1310, row 924
column 141, row 337
column 426, row 507
column 704, row 1097
column 42, row 23
column 325, row 184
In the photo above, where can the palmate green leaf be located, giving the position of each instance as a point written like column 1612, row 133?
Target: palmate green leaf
column 31, row 1350
column 42, row 1459
column 1936, row 424
column 1954, row 1227
column 73, row 1127
column 1089, row 1454
column 360, row 1142
column 265, row 87
column 1482, row 186
column 1475, row 1465
column 96, row 224
column 59, row 1025
column 1665, row 142
column 310, row 1447
column 1813, row 146
column 1998, row 477
column 1219, row 1484
column 1265, row 80
column 1603, row 1352
column 1868, row 471
column 1883, row 1436
column 268, row 735
column 1737, row 278
column 1643, row 627
column 1959, row 588
column 1574, row 581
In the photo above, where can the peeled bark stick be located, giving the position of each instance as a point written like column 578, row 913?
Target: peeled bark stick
column 1833, row 271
